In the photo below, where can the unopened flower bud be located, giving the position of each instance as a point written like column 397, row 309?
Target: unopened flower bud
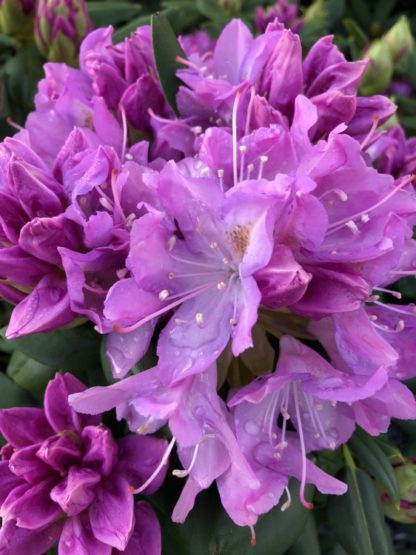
column 60, row 27
column 379, row 70
column 231, row 7
column 405, row 510
column 399, row 39
column 16, row 18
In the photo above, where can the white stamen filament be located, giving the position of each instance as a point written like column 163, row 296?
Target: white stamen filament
column 394, row 294
column 304, row 502
column 288, row 501
column 340, row 223
column 162, row 463
column 183, row 473
column 234, row 134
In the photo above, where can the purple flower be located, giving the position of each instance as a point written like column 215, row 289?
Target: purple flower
column 197, row 418
column 64, row 478
column 200, row 257
column 313, row 395
column 270, row 66
column 286, row 13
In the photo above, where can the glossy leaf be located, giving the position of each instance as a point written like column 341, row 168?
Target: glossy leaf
column 110, row 13
column 308, row 541
column 373, row 459
column 166, row 48
column 356, row 517
column 11, row 395
column 29, row 374
column 209, row 531
column 74, row 349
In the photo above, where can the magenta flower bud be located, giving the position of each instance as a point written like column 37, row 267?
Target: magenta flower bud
column 16, row 18
column 60, row 27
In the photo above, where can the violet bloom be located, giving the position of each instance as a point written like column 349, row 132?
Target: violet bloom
column 198, row 257
column 358, row 344
column 64, row 478
column 313, row 395
column 393, row 153
column 286, row 13
column 197, row 418
column 32, row 226
column 271, row 67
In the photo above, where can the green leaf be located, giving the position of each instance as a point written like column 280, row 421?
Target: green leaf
column 373, row 459
column 127, row 29
column 383, row 10
column 356, row 34
column 75, row 349
column 29, row 374
column 356, row 518
column 308, row 541
column 166, row 48
column 209, row 531
column 11, row 395
column 111, row 13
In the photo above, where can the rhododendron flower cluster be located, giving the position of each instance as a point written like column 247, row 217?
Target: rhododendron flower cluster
column 273, row 195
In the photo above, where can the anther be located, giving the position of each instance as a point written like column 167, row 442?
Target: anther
column 197, row 130
column 164, row 294
column 400, row 326
column 365, row 218
column 352, row 226
column 213, row 245
column 221, row 286
column 199, row 319
column 233, row 321
column 171, row 242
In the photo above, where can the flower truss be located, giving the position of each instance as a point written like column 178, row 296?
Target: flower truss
column 273, row 196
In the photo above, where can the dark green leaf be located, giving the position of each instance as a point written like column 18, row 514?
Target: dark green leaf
column 356, row 34
column 111, row 13
column 209, row 531
column 373, row 459
column 308, row 542
column 74, row 349
column 166, row 48
column 335, row 10
column 123, row 32
column 29, row 374
column 356, row 518
column 383, row 10
column 361, row 12
column 11, row 395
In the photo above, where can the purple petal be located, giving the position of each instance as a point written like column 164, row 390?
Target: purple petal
column 112, row 513
column 58, row 412
column 124, row 350
column 44, row 309
column 15, row 540
column 8, row 481
column 146, row 538
column 24, row 426
column 78, row 538
column 100, row 449
column 60, row 451
column 139, row 457
column 77, row 491
column 228, row 61
column 26, row 464
column 31, row 506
